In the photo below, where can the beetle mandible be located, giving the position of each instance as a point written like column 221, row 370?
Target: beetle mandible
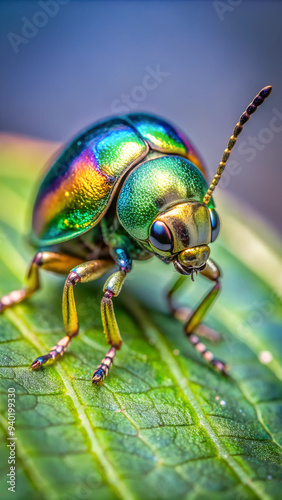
column 126, row 189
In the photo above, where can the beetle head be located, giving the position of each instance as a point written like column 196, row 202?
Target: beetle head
column 182, row 234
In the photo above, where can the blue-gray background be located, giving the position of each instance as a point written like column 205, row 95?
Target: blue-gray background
column 75, row 69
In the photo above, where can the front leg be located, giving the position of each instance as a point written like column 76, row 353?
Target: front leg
column 184, row 313
column 211, row 272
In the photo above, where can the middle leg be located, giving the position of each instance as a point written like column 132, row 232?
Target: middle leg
column 112, row 289
column 87, row 271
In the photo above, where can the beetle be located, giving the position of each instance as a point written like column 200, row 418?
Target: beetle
column 128, row 188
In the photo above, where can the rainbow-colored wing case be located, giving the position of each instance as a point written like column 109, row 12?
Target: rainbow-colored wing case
column 79, row 187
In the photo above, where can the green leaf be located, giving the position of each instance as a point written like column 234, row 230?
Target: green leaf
column 164, row 424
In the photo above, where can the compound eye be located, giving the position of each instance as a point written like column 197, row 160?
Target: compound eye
column 161, row 237
column 215, row 224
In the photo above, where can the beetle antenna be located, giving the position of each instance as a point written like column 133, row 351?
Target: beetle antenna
column 257, row 101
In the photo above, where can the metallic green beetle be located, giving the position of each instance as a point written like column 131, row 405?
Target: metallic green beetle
column 130, row 187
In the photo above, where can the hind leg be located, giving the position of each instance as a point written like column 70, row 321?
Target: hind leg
column 50, row 261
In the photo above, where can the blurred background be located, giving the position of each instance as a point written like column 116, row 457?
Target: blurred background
column 66, row 64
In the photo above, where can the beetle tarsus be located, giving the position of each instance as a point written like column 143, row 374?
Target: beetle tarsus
column 12, row 299
column 40, row 361
column 220, row 366
column 54, row 353
column 98, row 376
column 36, row 364
column 103, row 369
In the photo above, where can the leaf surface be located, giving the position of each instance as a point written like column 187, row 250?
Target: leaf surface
column 164, row 424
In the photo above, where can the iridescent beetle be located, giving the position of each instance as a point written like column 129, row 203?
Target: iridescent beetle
column 127, row 188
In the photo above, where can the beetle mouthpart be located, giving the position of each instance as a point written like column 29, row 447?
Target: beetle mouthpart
column 192, row 260
column 194, row 257
column 188, row 271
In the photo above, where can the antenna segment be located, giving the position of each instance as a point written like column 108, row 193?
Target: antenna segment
column 257, row 101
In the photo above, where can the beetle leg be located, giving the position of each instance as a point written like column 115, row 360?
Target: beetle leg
column 103, row 368
column 112, row 289
column 211, row 272
column 184, row 313
column 84, row 272
column 50, row 261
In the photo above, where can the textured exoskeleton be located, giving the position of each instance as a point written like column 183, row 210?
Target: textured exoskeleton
column 126, row 189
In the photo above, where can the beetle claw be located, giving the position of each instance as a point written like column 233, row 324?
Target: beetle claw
column 98, row 376
column 36, row 364
column 40, row 361
column 220, row 366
